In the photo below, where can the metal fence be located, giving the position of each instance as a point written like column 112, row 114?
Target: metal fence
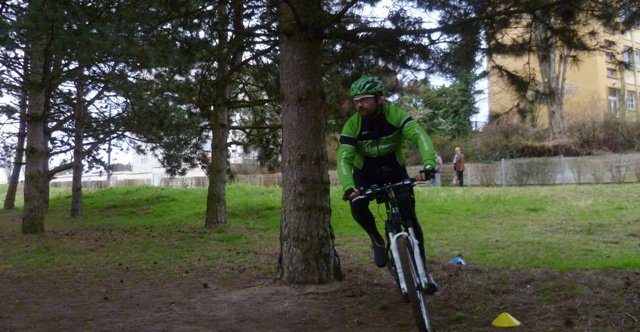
column 611, row 168
column 520, row 172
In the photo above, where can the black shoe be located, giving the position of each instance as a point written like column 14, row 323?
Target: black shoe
column 379, row 254
column 432, row 287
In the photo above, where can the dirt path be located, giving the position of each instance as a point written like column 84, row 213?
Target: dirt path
column 205, row 300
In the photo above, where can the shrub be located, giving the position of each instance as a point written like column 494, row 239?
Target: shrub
column 499, row 140
column 610, row 134
column 515, row 140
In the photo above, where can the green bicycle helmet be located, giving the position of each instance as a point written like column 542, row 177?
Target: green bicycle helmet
column 366, row 85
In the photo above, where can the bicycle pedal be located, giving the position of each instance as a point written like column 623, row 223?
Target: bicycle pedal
column 431, row 289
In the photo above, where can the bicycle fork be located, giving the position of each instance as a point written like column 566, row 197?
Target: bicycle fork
column 422, row 273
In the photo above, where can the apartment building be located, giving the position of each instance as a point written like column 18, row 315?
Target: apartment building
column 603, row 83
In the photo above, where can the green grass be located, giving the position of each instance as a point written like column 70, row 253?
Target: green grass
column 562, row 227
column 144, row 228
column 140, row 229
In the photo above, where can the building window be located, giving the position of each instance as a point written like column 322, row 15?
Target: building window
column 609, row 44
column 610, row 57
column 627, row 55
column 628, row 75
column 613, row 101
column 612, row 73
column 631, row 100
column 638, row 58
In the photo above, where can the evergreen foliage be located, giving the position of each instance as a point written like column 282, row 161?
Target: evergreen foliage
column 443, row 110
column 175, row 74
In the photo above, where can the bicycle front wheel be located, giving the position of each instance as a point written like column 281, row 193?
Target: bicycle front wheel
column 416, row 295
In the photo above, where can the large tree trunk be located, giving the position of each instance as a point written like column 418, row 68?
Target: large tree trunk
column 35, row 187
column 52, row 64
column 78, row 151
column 216, row 193
column 553, row 63
column 219, row 115
column 622, row 97
column 307, row 252
column 14, row 179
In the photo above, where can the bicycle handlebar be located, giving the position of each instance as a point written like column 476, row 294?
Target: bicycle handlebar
column 375, row 190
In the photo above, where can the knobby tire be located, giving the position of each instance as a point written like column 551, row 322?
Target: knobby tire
column 414, row 292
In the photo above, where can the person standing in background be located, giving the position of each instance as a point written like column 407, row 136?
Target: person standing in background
column 435, row 182
column 458, row 166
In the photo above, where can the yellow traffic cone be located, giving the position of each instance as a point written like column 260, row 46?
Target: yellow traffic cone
column 505, row 320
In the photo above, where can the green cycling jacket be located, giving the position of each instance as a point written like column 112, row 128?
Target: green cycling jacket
column 370, row 143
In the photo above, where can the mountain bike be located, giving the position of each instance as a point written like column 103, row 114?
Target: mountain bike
column 404, row 261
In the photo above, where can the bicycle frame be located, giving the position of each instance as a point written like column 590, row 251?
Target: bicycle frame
column 393, row 225
column 405, row 252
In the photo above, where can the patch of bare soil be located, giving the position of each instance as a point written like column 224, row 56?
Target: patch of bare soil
column 231, row 299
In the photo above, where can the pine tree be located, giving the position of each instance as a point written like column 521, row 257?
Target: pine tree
column 307, row 253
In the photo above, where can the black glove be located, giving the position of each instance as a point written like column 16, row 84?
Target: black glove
column 429, row 174
column 345, row 196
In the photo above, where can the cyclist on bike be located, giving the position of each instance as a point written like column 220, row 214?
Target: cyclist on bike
column 371, row 153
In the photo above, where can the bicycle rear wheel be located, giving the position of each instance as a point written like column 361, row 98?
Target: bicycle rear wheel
column 416, row 295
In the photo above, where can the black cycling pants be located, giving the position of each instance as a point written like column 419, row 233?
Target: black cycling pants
column 407, row 206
